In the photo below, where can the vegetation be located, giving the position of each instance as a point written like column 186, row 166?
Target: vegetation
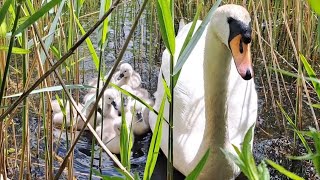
column 45, row 50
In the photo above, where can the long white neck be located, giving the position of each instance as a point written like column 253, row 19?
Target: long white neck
column 216, row 68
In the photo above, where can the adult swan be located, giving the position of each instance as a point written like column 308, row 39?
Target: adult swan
column 215, row 101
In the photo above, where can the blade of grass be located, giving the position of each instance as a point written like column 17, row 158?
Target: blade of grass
column 166, row 24
column 315, row 6
column 282, row 170
column 195, row 38
column 155, row 142
column 6, row 70
column 124, row 139
column 91, row 49
column 104, row 29
column 52, row 29
column 247, row 153
column 15, row 50
column 34, row 17
column 51, row 89
column 197, row 170
column 188, row 38
column 311, row 74
column 4, row 10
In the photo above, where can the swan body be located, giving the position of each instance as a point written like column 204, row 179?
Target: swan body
column 140, row 124
column 110, row 134
column 58, row 116
column 215, row 100
column 111, row 131
column 127, row 76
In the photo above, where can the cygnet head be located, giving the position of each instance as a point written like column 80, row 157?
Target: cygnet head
column 110, row 96
column 125, row 70
column 232, row 25
column 137, row 109
column 127, row 100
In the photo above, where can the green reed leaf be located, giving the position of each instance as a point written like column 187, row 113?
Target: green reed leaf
column 104, row 28
column 311, row 74
column 197, row 170
column 315, row 5
column 166, row 24
column 15, row 50
column 194, row 40
column 155, row 142
column 124, row 139
column 51, row 89
column 282, row 170
column 188, row 38
column 91, row 48
column 37, row 15
column 4, row 10
column 53, row 27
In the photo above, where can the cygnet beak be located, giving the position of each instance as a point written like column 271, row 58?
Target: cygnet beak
column 139, row 117
column 120, row 76
column 114, row 104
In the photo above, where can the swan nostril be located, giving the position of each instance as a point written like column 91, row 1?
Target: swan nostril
column 246, row 38
column 248, row 75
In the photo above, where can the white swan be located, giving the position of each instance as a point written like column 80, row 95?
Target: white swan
column 127, row 76
column 110, row 134
column 111, row 131
column 140, row 124
column 58, row 116
column 110, row 106
column 213, row 105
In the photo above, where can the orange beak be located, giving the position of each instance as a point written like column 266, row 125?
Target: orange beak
column 242, row 57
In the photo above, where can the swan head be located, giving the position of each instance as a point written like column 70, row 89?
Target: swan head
column 110, row 97
column 125, row 71
column 232, row 25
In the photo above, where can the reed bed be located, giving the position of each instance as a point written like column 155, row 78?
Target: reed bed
column 43, row 47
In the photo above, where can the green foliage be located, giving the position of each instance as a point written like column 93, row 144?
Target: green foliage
column 155, row 143
column 125, row 139
column 315, row 5
column 4, row 10
column 195, row 38
column 188, row 38
column 91, row 49
column 15, row 50
column 166, row 24
column 311, row 74
column 245, row 161
column 53, row 26
column 51, row 89
column 197, row 170
column 104, row 28
column 37, row 15
column 283, row 170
